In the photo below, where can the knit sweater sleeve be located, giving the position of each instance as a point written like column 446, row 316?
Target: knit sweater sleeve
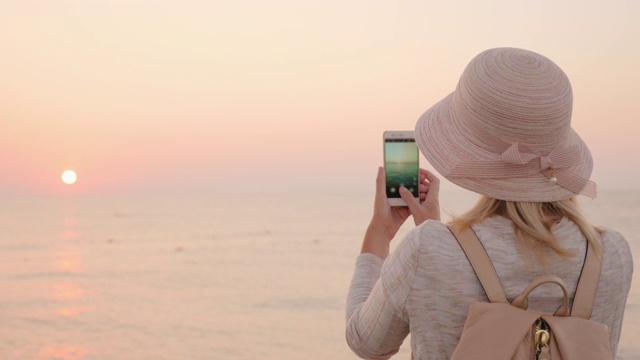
column 377, row 322
column 614, row 285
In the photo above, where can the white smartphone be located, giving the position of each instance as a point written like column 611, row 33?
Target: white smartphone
column 401, row 165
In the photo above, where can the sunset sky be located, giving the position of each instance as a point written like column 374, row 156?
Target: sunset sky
column 258, row 96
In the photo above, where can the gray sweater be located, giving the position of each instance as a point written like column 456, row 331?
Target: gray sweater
column 426, row 285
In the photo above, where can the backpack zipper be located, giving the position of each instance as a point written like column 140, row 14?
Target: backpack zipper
column 542, row 338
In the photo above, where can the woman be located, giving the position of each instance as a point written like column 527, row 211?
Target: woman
column 504, row 133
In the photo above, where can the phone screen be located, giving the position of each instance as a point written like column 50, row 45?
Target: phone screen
column 401, row 166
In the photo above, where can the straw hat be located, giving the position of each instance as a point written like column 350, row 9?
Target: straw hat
column 505, row 131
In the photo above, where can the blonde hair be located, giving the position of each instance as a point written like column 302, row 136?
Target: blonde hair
column 533, row 221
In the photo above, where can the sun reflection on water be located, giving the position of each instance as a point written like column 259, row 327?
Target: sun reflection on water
column 67, row 292
column 71, row 311
column 68, row 260
column 63, row 352
column 70, row 230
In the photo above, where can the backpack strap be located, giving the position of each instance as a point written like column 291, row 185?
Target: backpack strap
column 480, row 263
column 477, row 255
column 588, row 283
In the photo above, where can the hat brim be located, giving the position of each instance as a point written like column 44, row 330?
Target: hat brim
column 445, row 144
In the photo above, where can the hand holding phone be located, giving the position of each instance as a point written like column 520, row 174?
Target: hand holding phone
column 401, row 164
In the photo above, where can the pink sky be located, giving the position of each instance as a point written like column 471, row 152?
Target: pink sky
column 196, row 96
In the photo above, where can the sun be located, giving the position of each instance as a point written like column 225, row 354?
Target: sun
column 69, row 177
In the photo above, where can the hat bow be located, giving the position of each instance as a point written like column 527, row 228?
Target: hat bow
column 521, row 154
column 519, row 160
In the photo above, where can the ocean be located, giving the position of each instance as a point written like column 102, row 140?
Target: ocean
column 209, row 277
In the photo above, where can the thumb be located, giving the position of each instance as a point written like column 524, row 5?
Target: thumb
column 407, row 196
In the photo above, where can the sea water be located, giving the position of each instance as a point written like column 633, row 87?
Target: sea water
column 210, row 277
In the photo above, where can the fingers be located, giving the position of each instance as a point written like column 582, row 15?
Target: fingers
column 385, row 217
column 426, row 173
column 424, row 189
column 434, row 186
column 425, row 207
column 408, row 198
column 428, row 206
column 429, row 183
column 381, row 188
column 428, row 176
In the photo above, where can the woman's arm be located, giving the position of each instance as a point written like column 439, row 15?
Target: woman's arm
column 376, row 321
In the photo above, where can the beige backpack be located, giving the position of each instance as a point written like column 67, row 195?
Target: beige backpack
column 500, row 330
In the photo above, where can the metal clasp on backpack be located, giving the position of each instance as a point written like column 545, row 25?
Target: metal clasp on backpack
column 541, row 339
